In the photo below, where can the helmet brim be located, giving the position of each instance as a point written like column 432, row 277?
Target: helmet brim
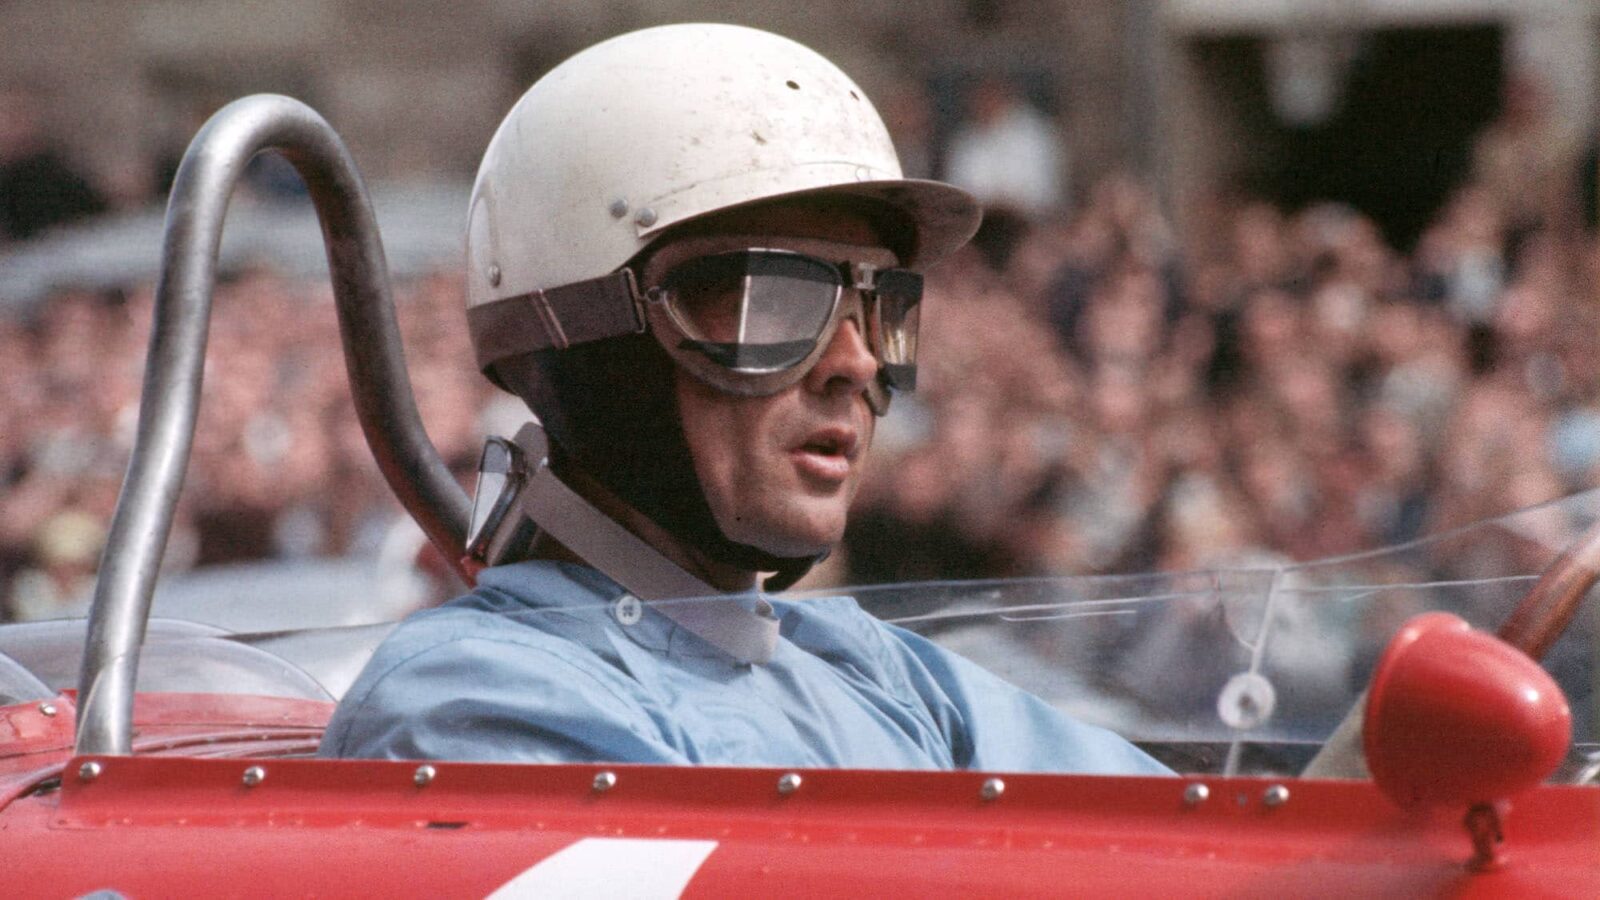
column 943, row 216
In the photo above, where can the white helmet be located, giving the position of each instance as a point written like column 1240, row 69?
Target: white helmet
column 597, row 160
column 653, row 128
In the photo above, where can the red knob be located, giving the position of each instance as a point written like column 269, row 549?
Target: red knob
column 1457, row 716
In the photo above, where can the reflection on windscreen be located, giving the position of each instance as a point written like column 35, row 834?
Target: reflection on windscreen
column 1243, row 671
column 1250, row 670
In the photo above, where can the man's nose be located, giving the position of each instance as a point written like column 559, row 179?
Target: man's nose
column 847, row 366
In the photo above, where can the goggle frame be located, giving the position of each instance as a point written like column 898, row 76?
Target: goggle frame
column 858, row 295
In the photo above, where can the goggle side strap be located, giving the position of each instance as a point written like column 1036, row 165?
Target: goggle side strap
column 556, row 318
column 744, row 634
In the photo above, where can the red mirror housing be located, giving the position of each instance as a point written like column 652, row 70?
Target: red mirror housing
column 1457, row 716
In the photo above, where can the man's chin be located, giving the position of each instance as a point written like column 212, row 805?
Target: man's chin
column 793, row 539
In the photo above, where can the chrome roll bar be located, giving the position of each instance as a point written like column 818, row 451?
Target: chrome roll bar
column 170, row 401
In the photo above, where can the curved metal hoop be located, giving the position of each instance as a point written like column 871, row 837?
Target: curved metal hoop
column 170, row 402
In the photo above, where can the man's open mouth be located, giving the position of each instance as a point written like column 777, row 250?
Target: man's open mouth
column 839, row 442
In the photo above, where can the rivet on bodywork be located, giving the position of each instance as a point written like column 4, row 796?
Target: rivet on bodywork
column 89, row 771
column 254, row 776
column 646, row 218
column 605, row 781
column 992, row 789
column 1196, row 794
column 47, row 709
column 789, row 783
column 1277, row 795
column 424, row 775
column 494, row 276
column 618, row 208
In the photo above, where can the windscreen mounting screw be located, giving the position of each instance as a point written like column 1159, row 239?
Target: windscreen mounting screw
column 789, row 783
column 605, row 781
column 992, row 789
column 424, row 775
column 89, row 771
column 254, row 776
column 47, row 709
column 1196, row 794
column 1275, row 796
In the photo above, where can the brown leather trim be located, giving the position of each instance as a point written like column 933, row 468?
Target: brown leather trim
column 560, row 317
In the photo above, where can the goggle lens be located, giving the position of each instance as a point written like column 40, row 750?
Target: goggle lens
column 752, row 312
column 894, row 327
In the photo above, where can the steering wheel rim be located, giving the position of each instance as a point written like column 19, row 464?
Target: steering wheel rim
column 1550, row 605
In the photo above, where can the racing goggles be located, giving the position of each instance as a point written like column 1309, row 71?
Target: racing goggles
column 754, row 322
column 750, row 322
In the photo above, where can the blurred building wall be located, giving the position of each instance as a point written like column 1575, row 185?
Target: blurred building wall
column 416, row 87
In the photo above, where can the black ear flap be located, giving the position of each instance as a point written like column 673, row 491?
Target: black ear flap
column 610, row 409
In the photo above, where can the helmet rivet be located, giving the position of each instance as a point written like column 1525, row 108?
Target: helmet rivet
column 646, row 218
column 619, row 208
column 494, row 276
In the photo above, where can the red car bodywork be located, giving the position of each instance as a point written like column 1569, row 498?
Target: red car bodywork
column 179, row 819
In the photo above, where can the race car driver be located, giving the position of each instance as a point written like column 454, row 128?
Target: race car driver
column 692, row 253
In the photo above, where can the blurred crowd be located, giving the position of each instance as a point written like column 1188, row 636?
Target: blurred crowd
column 1302, row 390
column 1098, row 393
column 279, row 467
column 1102, row 394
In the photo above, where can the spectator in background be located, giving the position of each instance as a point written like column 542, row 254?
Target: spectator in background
column 1460, row 258
column 38, row 187
column 1527, row 160
column 1008, row 154
column 67, row 554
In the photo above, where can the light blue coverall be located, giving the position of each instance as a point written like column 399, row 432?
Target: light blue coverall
column 546, row 662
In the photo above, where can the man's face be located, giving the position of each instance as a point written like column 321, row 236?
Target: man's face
column 779, row 471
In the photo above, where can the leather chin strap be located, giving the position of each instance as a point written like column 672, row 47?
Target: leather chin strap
column 789, row 571
column 747, row 635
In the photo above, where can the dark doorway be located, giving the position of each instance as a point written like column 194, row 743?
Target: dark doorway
column 1402, row 140
column 1413, row 100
